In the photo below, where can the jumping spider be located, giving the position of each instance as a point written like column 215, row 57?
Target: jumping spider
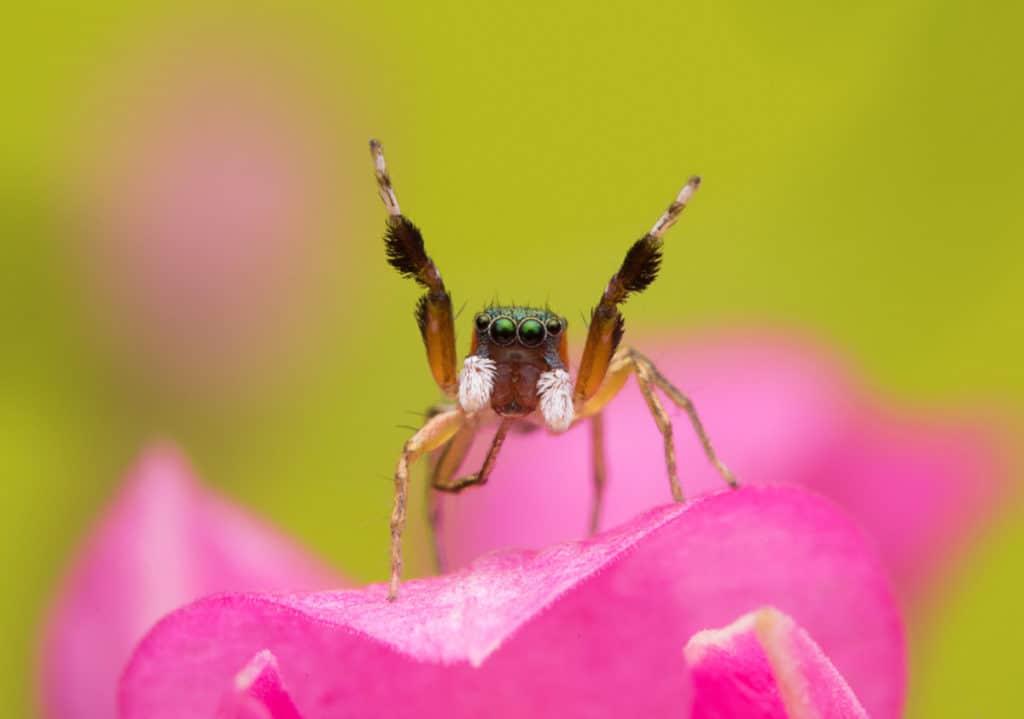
column 518, row 367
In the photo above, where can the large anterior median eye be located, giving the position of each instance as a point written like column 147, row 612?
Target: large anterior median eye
column 503, row 330
column 531, row 332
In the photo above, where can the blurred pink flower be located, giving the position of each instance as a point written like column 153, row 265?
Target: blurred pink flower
column 205, row 207
column 595, row 628
column 165, row 541
column 780, row 410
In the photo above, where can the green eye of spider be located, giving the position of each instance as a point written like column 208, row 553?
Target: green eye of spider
column 482, row 321
column 503, row 330
column 531, row 332
column 554, row 326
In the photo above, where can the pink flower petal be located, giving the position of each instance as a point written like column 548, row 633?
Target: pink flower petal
column 205, row 205
column 764, row 666
column 920, row 486
column 259, row 693
column 780, row 411
column 165, row 541
column 594, row 628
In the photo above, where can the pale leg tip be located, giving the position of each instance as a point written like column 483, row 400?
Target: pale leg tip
column 728, row 476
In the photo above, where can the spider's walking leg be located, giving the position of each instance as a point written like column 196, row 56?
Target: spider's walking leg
column 648, row 377
column 438, row 430
column 599, row 468
column 661, row 418
column 452, row 484
column 444, row 470
column 686, row 404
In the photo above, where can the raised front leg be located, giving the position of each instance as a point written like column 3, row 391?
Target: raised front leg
column 407, row 254
column 639, row 269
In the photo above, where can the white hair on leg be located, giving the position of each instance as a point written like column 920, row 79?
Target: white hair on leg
column 675, row 209
column 555, row 390
column 476, row 382
column 387, row 193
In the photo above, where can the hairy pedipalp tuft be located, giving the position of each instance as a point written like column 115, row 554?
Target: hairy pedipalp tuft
column 555, row 390
column 476, row 382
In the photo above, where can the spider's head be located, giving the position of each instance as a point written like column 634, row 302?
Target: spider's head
column 519, row 362
column 521, row 334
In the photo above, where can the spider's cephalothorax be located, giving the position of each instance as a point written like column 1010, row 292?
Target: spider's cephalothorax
column 518, row 363
column 517, row 369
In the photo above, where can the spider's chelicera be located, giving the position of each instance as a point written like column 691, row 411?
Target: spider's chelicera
column 517, row 369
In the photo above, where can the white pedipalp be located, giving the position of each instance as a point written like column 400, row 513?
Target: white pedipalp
column 476, row 382
column 555, row 390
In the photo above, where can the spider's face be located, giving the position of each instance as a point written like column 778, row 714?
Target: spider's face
column 518, row 362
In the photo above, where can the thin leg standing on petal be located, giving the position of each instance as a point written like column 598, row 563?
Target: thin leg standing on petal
column 443, row 474
column 627, row 361
column 599, row 469
column 686, row 404
column 438, row 430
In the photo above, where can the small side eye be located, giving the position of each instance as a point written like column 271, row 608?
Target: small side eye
column 554, row 326
column 483, row 321
column 503, row 330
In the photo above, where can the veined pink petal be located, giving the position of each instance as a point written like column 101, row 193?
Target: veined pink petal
column 166, row 541
column 258, row 692
column 764, row 666
column 595, row 628
column 779, row 410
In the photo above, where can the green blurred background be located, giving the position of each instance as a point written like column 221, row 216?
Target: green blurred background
column 862, row 167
